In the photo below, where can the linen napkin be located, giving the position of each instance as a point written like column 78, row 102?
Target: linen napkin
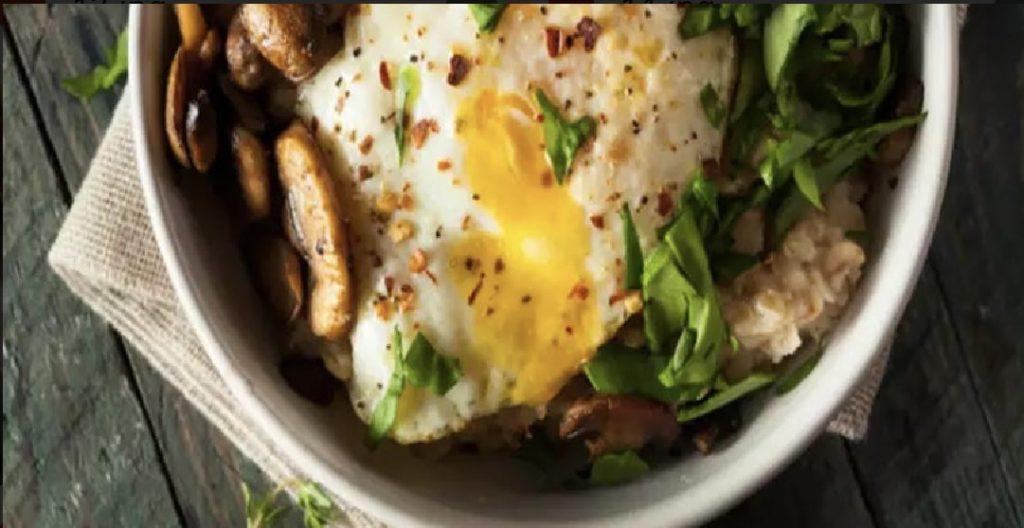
column 107, row 255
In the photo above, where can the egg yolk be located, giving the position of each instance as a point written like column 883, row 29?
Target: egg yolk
column 527, row 284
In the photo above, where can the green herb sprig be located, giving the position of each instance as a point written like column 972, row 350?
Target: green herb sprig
column 103, row 76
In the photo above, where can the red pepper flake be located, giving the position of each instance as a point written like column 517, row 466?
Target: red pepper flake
column 458, row 68
column 444, row 165
column 597, row 221
column 490, row 310
column 526, row 299
column 431, row 276
column 665, row 206
column 365, row 173
column 366, row 144
column 711, row 168
column 499, row 266
column 389, row 284
column 553, row 36
column 588, row 30
column 617, row 297
column 568, row 329
column 385, row 75
column 579, row 291
column 419, row 132
column 476, row 289
column 614, row 197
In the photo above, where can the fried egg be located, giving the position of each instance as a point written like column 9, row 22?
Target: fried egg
column 469, row 239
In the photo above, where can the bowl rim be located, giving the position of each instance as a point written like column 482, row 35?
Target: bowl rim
column 724, row 489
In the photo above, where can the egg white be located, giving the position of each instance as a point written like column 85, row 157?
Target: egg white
column 641, row 82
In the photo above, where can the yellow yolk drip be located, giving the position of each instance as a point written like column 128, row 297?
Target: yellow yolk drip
column 531, row 294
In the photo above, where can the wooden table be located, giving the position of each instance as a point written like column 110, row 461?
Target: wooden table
column 93, row 437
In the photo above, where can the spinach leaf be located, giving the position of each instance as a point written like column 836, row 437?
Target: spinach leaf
column 885, row 78
column 103, row 76
column 791, row 379
column 714, row 108
column 729, row 264
column 426, row 368
column 407, row 94
column 562, row 138
column 616, row 468
column 634, row 255
column 724, row 397
column 782, row 155
column 806, row 183
column 384, row 414
column 618, row 369
column 487, row 16
column 782, row 31
column 422, row 366
column 751, row 82
column 839, row 155
column 698, row 20
column 666, row 293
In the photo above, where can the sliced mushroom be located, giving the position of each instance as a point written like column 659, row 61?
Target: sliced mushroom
column 277, row 272
column 310, row 192
column 287, row 35
column 248, row 69
column 209, row 50
column 290, row 226
column 281, row 96
column 174, row 108
column 892, row 149
column 246, row 110
column 192, row 26
column 201, row 131
column 220, row 15
column 610, row 423
column 253, row 171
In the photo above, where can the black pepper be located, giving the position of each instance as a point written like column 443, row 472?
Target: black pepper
column 357, row 52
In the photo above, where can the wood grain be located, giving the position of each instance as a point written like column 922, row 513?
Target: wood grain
column 76, row 449
column 979, row 253
column 928, row 459
column 818, row 489
column 205, row 468
column 56, row 42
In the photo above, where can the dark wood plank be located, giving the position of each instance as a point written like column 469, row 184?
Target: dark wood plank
column 56, row 42
column 979, row 249
column 818, row 489
column 76, row 448
column 928, row 460
column 204, row 468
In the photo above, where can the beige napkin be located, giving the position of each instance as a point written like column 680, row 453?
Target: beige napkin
column 107, row 255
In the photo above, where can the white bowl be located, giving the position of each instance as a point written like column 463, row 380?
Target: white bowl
column 393, row 486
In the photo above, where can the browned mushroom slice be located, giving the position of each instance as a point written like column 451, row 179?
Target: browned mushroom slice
column 253, row 172
column 174, row 108
column 281, row 97
column 220, row 15
column 610, row 423
column 248, row 69
column 290, row 226
column 246, row 110
column 310, row 192
column 894, row 147
column 192, row 26
column 277, row 272
column 287, row 35
column 201, row 131
column 209, row 50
